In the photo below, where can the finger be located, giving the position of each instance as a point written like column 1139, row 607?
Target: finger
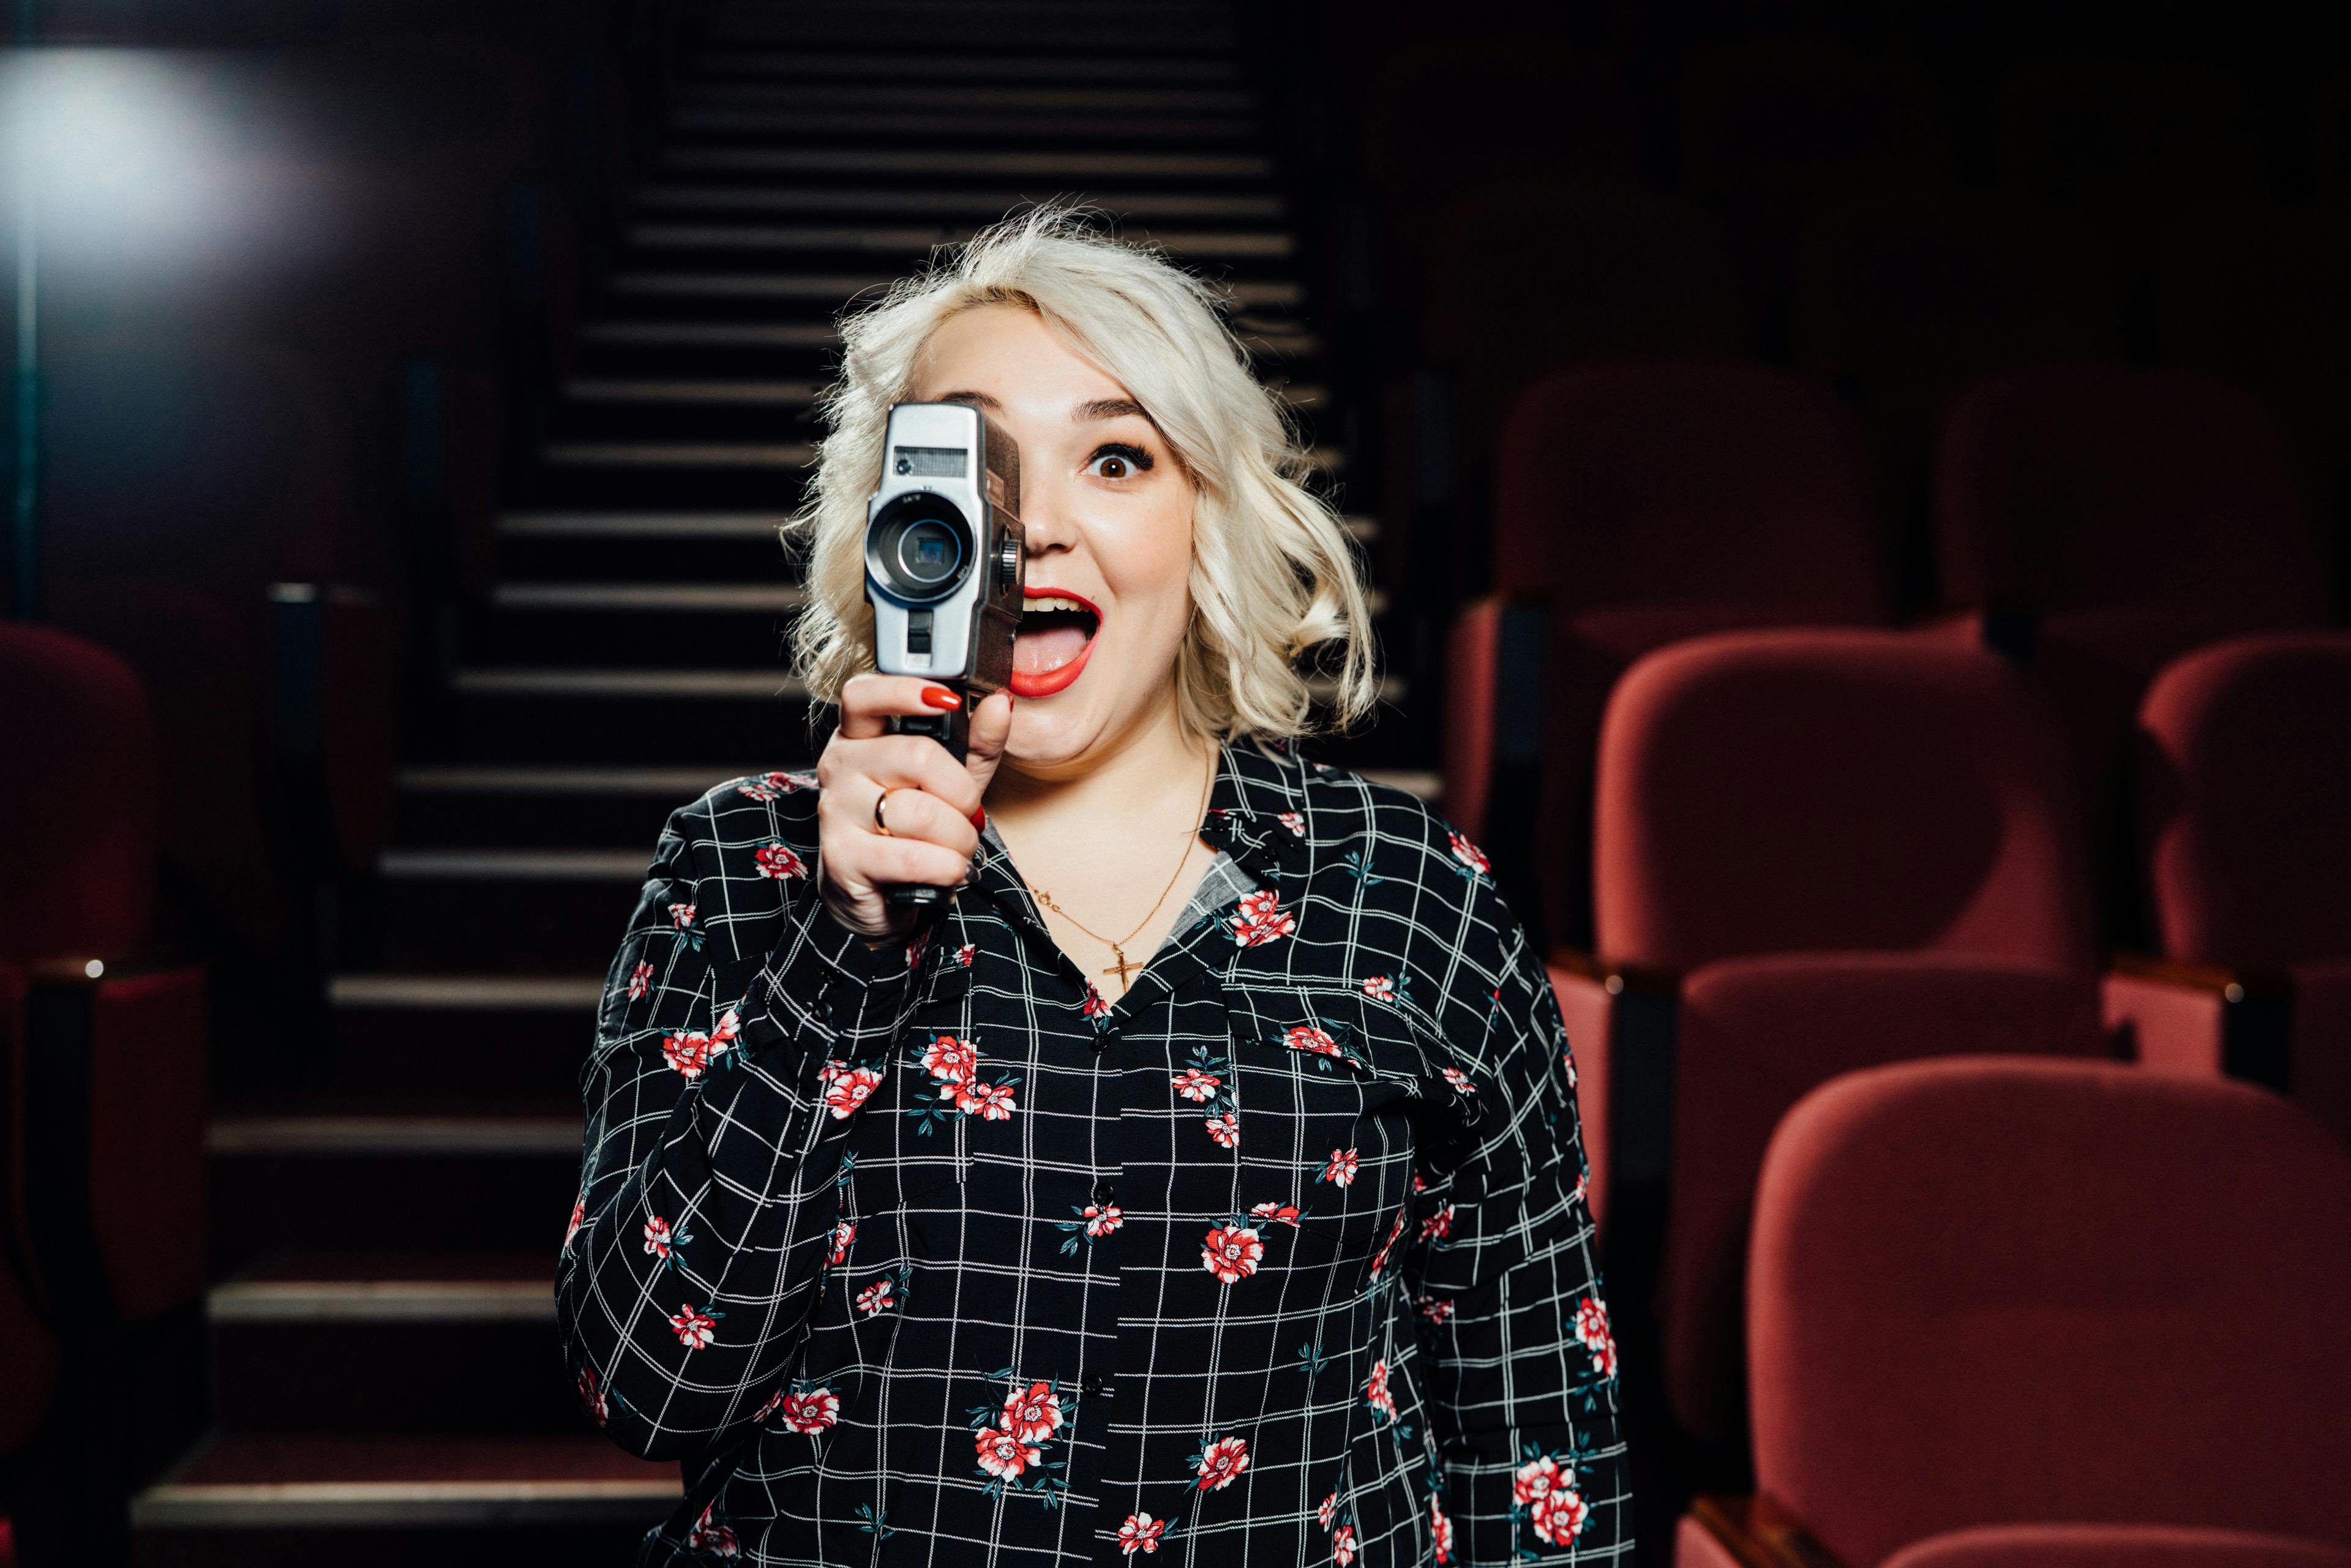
column 877, row 862
column 991, row 725
column 869, row 700
column 915, row 762
column 918, row 814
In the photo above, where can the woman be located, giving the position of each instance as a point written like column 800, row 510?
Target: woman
column 987, row 1239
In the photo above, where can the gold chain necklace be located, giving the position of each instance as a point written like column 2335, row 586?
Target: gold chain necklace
column 1118, row 945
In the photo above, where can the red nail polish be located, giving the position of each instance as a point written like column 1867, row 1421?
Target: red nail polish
column 939, row 697
column 980, row 818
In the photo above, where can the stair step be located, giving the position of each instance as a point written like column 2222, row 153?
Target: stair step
column 934, row 163
column 1004, row 123
column 1191, row 245
column 459, row 1500
column 1257, row 295
column 653, row 598
column 684, row 716
column 1002, row 68
column 688, row 389
column 791, row 455
column 303, row 1343
column 552, row 909
column 294, row 1181
column 396, row 1033
column 533, row 806
column 920, row 96
column 979, row 205
column 684, row 622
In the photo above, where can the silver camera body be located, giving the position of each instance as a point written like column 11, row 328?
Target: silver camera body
column 944, row 551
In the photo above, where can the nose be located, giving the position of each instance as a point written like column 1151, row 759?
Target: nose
column 1045, row 522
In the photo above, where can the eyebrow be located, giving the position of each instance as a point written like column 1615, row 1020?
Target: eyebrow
column 1084, row 413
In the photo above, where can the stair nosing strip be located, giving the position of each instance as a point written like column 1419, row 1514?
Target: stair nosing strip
column 182, row 1505
column 491, row 993
column 536, row 681
column 491, row 864
column 380, row 1301
column 401, row 1136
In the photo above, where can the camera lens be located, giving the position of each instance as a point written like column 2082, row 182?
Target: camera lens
column 916, row 548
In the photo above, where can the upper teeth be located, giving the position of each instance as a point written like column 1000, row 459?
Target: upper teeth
column 1057, row 601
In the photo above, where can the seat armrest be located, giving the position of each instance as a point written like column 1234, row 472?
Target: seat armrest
column 1619, row 1021
column 1759, row 1531
column 2201, row 1020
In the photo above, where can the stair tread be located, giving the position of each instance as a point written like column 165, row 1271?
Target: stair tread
column 328, row 1467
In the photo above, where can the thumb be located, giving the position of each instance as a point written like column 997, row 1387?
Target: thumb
column 991, row 724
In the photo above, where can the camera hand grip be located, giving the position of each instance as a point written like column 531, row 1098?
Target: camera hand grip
column 951, row 729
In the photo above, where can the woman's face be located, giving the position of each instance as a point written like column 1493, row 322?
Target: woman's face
column 1108, row 512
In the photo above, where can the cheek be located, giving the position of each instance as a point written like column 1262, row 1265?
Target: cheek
column 1149, row 568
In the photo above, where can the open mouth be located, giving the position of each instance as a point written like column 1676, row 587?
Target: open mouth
column 1057, row 633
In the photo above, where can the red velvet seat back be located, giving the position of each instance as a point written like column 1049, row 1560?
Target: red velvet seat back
column 1987, row 1290
column 1687, row 484
column 2245, row 799
column 2082, row 487
column 78, row 789
column 1830, row 790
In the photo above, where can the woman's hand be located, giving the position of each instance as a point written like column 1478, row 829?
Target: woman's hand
column 934, row 809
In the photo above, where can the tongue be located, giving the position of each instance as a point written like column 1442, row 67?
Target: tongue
column 1048, row 648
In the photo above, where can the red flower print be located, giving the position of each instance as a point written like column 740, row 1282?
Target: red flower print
column 775, row 860
column 1441, row 1527
column 1093, row 1007
column 1579, row 1195
column 1226, row 1129
column 1140, row 1533
column 730, row 1024
column 1439, row 1223
column 1194, row 1084
column 1002, row 1454
column 1567, row 1060
column 1467, row 855
column 1592, row 1329
column 1343, row 1545
column 640, row 982
column 689, row 1053
column 657, row 1238
column 1342, row 1168
column 967, row 953
column 1222, row 1460
column 1436, row 1309
column 848, row 1090
column 1558, row 1517
column 1380, row 988
column 1395, row 1231
column 1261, row 919
column 758, row 789
column 696, row 1330
column 1285, row 1212
column 1232, row 1253
column 1307, row 1037
column 1294, row 822
column 916, row 948
column 591, row 1397
column 1376, row 1391
column 1460, row 1080
column 789, row 782
column 1327, row 1510
column 681, row 915
column 951, row 1060
column 875, row 1298
column 775, row 1402
column 1538, row 1478
column 1033, row 1415
column 710, row 1536
column 842, row 1235
column 811, row 1412
column 579, row 1216
column 989, row 1102
column 1418, row 1184
column 1102, row 1220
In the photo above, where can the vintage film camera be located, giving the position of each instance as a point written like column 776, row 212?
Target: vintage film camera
column 942, row 565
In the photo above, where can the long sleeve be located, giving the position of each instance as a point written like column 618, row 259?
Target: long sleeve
column 1513, row 1319
column 738, row 1027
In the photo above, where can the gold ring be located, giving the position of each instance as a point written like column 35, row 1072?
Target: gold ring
column 880, row 826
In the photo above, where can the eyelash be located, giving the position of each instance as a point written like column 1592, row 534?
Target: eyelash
column 1135, row 457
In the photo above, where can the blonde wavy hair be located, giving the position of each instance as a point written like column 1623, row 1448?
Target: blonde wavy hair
column 1274, row 573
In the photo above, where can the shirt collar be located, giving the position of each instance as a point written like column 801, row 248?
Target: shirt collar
column 1256, row 814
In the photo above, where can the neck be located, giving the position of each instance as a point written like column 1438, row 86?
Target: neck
column 1150, row 759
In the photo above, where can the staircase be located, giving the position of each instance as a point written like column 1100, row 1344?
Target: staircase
column 387, row 1379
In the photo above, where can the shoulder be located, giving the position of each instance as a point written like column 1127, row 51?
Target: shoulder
column 1389, row 830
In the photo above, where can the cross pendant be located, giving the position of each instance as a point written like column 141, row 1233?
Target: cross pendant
column 1123, row 966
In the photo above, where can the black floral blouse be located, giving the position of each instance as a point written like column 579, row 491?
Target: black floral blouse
column 930, row 1253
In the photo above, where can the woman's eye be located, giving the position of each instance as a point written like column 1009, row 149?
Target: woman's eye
column 1118, row 463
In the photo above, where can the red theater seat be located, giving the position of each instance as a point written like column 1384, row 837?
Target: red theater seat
column 2115, row 518
column 111, row 1051
column 2055, row 1295
column 1637, row 504
column 2244, row 767
column 1813, row 850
